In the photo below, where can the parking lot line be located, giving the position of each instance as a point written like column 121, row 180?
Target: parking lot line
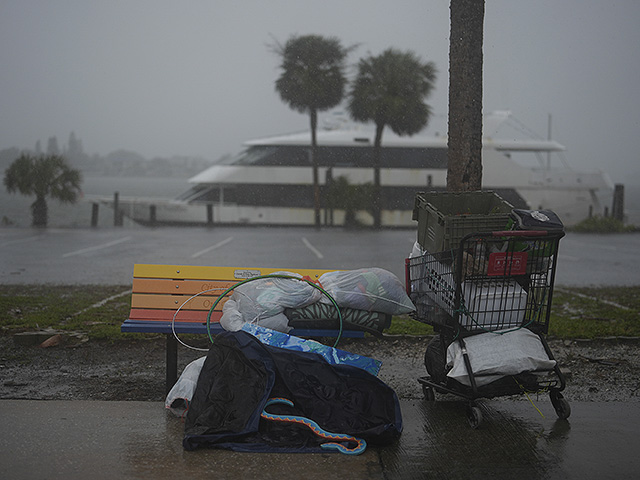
column 18, row 240
column 97, row 247
column 212, row 247
column 315, row 251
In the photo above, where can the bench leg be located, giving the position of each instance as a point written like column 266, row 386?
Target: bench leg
column 172, row 361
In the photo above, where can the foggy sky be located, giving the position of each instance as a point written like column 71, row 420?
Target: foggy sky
column 191, row 77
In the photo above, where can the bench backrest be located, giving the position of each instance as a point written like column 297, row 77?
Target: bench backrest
column 158, row 291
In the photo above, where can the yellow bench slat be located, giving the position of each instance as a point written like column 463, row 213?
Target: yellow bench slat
column 199, row 272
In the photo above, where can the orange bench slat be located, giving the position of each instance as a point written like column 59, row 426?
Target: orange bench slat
column 173, row 302
column 177, row 286
column 167, row 315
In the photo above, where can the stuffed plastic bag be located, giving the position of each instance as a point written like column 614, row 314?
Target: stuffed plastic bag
column 494, row 355
column 262, row 301
column 371, row 289
column 180, row 395
column 233, row 319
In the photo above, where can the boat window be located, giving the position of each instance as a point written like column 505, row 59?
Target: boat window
column 338, row 156
column 200, row 193
column 250, row 156
column 301, row 196
column 391, row 157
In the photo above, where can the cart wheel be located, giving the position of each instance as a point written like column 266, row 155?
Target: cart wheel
column 429, row 394
column 563, row 409
column 474, row 416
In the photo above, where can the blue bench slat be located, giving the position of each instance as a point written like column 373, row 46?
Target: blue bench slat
column 136, row 326
column 165, row 327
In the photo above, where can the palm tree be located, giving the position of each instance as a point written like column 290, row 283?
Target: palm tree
column 464, row 172
column 390, row 90
column 43, row 176
column 312, row 80
column 350, row 198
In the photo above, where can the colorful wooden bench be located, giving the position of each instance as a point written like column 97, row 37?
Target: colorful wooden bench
column 178, row 298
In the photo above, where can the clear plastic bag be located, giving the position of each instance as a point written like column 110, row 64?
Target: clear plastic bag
column 371, row 289
column 262, row 301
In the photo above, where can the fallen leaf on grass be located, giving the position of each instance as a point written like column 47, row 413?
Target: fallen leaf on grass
column 52, row 341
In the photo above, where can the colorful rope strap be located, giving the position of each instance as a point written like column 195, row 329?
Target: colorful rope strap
column 334, row 438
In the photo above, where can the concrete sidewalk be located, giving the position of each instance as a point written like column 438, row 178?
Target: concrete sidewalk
column 95, row 439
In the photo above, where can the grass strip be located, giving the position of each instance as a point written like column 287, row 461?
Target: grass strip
column 98, row 311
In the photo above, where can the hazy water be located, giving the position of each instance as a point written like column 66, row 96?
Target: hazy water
column 15, row 208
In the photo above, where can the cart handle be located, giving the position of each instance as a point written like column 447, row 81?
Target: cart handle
column 520, row 233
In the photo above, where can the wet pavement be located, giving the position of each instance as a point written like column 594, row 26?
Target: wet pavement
column 106, row 256
column 94, row 439
column 81, row 439
column 599, row 440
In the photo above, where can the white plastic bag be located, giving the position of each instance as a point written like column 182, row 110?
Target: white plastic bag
column 262, row 301
column 498, row 355
column 231, row 318
column 180, row 395
column 370, row 289
column 418, row 270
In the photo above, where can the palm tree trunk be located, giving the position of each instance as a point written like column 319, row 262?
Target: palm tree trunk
column 39, row 212
column 377, row 190
column 314, row 163
column 465, row 96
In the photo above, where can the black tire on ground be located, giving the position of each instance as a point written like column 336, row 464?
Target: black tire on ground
column 435, row 360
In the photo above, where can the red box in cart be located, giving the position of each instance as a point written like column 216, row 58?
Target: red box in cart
column 514, row 263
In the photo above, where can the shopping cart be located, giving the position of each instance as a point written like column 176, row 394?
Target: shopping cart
column 489, row 301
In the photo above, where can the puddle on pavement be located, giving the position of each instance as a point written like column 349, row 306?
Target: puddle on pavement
column 437, row 442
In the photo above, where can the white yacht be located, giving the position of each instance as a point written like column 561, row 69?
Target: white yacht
column 270, row 181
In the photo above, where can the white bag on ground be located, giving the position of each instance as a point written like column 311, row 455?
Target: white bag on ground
column 180, row 395
column 370, row 289
column 498, row 355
